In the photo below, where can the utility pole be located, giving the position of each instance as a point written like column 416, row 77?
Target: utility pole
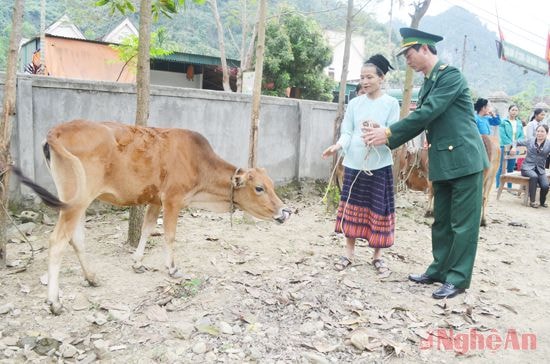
column 43, row 35
column 463, row 54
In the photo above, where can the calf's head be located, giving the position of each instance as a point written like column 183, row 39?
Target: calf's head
column 254, row 193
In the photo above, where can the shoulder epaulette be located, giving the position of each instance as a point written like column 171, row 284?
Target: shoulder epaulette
column 442, row 67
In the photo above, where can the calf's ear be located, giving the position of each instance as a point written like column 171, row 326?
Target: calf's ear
column 239, row 179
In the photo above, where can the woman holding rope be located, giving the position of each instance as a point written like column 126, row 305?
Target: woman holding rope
column 367, row 208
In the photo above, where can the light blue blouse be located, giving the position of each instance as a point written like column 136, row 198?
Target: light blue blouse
column 385, row 111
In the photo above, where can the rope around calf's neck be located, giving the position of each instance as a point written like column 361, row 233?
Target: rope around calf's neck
column 231, row 196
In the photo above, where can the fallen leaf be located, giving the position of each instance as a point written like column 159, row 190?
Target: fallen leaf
column 324, row 347
column 364, row 339
column 508, row 307
column 348, row 283
column 209, row 329
column 247, row 317
column 44, row 279
column 253, row 272
column 24, row 288
column 424, row 334
column 156, row 313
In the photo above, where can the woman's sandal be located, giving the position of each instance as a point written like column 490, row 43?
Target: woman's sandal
column 381, row 268
column 342, row 263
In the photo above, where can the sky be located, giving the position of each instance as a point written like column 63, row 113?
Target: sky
column 524, row 23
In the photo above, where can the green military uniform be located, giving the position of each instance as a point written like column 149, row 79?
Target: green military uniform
column 457, row 158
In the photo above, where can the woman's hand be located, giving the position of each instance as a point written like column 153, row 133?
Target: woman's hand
column 331, row 150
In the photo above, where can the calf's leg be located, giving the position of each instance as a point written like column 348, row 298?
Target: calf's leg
column 149, row 223
column 170, row 221
column 77, row 243
column 62, row 234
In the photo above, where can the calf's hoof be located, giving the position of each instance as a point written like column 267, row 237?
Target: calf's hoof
column 92, row 281
column 139, row 268
column 175, row 273
column 56, row 308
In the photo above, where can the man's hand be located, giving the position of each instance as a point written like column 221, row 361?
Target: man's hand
column 374, row 136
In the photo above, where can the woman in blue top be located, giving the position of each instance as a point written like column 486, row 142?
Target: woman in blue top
column 485, row 118
column 367, row 208
column 510, row 131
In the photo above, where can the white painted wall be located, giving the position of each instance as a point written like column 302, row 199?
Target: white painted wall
column 166, row 78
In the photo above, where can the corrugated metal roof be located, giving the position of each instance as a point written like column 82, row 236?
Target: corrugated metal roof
column 197, row 59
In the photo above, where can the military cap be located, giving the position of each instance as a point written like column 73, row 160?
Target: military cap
column 414, row 36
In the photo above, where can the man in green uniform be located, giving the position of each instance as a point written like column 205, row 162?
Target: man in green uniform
column 457, row 158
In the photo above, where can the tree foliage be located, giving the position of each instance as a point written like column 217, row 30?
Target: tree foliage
column 167, row 8
column 127, row 50
column 295, row 56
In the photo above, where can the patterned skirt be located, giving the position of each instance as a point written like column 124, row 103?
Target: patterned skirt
column 368, row 212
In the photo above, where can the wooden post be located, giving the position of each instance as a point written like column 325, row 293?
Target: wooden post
column 8, row 112
column 420, row 9
column 135, row 220
column 344, row 76
column 255, row 115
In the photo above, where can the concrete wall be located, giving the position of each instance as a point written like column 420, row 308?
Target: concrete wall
column 293, row 133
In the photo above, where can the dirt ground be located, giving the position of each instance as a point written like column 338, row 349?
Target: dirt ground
column 267, row 293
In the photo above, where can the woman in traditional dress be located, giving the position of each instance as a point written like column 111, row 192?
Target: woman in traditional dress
column 366, row 209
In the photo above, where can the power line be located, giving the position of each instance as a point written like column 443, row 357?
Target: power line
column 463, row 19
column 466, row 20
column 500, row 18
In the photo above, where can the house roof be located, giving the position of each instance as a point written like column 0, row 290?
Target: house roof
column 64, row 27
column 121, row 31
column 197, row 59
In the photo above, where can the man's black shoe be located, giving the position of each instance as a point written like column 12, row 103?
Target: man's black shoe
column 447, row 290
column 421, row 278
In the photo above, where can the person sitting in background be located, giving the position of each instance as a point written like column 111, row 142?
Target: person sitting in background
column 485, row 117
column 538, row 149
column 534, row 122
column 510, row 131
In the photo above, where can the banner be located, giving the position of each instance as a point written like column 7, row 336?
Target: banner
column 520, row 57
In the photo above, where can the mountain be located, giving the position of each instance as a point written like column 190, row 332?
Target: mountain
column 194, row 31
column 485, row 72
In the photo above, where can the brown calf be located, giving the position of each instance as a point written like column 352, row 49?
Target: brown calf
column 414, row 171
column 131, row 165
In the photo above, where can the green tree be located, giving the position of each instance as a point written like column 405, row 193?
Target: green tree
column 148, row 9
column 524, row 101
column 295, row 56
column 127, row 50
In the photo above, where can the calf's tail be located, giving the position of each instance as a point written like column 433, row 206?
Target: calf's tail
column 46, row 196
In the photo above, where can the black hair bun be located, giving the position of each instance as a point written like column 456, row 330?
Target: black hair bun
column 381, row 62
